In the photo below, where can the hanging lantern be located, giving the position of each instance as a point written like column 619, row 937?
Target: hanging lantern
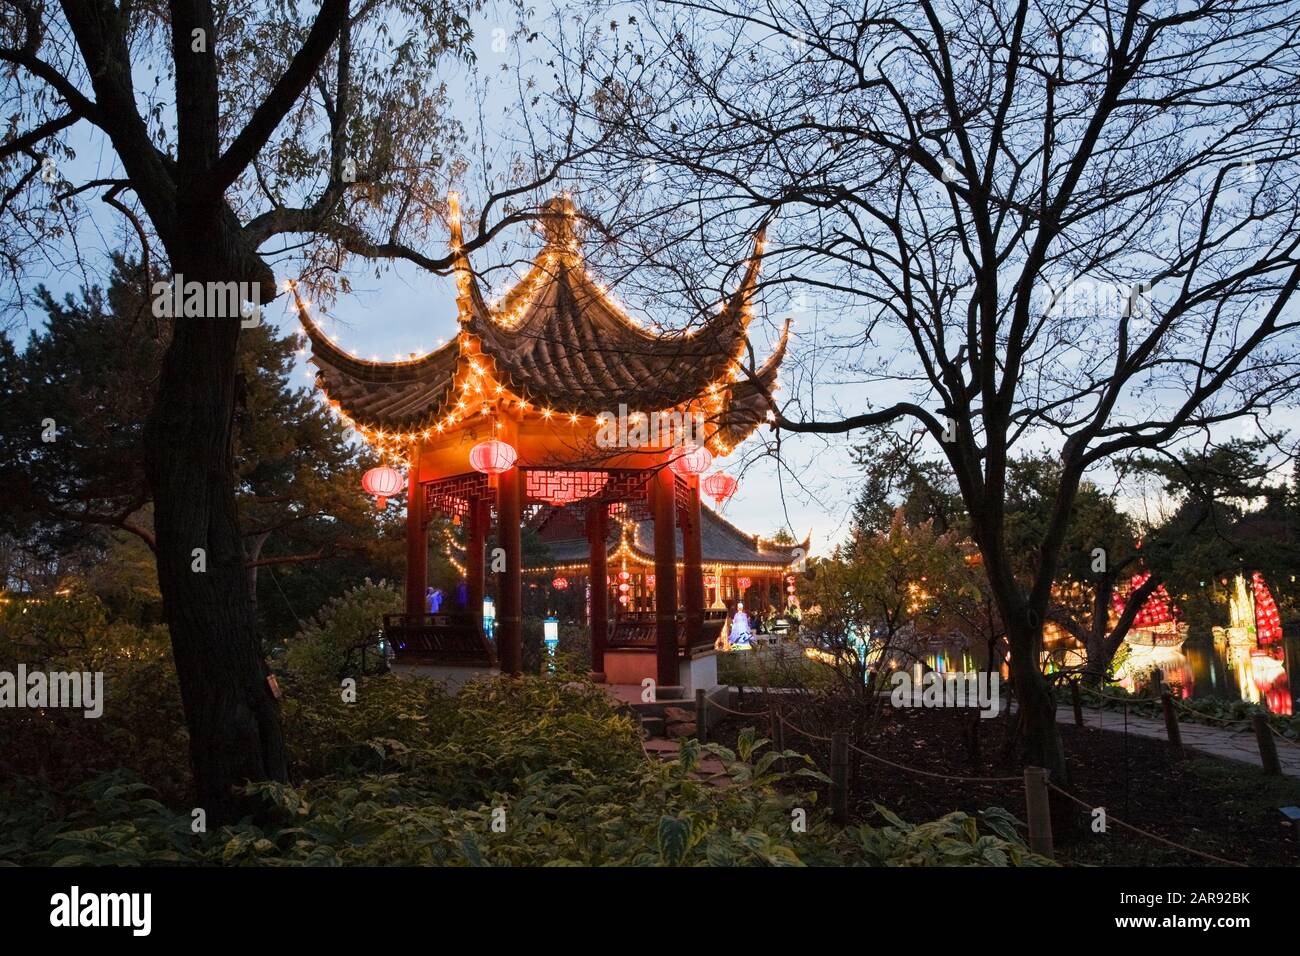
column 383, row 483
column 719, row 486
column 624, row 575
column 650, row 580
column 623, row 587
column 492, row 457
column 743, row 583
column 693, row 460
column 710, row 581
column 560, row 584
column 622, row 599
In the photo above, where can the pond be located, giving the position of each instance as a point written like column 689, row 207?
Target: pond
column 1203, row 667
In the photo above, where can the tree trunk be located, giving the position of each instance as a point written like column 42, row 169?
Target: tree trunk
column 1040, row 738
column 232, row 715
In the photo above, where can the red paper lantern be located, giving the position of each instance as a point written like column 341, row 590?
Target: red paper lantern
column 492, row 457
column 720, row 486
column 383, row 483
column 692, row 460
column 743, row 583
column 560, row 584
column 624, row 575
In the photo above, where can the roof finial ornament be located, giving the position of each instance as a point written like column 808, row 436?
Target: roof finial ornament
column 559, row 222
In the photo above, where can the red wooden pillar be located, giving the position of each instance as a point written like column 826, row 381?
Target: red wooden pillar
column 598, row 565
column 510, row 506
column 692, row 564
column 664, row 509
column 480, row 516
column 417, row 542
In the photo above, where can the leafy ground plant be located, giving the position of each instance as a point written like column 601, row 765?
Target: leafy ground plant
column 524, row 772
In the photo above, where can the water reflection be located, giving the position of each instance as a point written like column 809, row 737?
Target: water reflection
column 1206, row 667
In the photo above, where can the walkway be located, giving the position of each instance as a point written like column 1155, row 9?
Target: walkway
column 1230, row 743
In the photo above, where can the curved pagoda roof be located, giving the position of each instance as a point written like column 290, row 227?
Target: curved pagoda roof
column 558, row 341
column 721, row 543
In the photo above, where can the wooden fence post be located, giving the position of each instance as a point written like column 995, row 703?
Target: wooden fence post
column 1038, row 808
column 839, row 777
column 1078, row 704
column 1267, row 745
column 1171, row 726
column 701, row 715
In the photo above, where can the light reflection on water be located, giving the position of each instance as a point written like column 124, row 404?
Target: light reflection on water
column 1201, row 669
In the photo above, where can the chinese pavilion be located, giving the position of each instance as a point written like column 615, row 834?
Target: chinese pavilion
column 514, row 416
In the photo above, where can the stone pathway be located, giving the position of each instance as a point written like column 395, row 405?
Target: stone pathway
column 1230, row 743
column 710, row 768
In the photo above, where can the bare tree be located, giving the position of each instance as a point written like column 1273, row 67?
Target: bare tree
column 328, row 134
column 1060, row 223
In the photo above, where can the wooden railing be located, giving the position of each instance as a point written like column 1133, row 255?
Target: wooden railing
column 454, row 638
column 639, row 629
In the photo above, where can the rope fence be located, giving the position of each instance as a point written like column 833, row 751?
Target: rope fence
column 1111, row 818
column 1034, row 779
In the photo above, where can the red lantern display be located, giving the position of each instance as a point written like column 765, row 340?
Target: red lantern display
column 1157, row 610
column 743, row 583
column 492, row 457
column 624, row 575
column 560, row 584
column 383, row 483
column 719, row 486
column 1268, row 624
column 693, row 460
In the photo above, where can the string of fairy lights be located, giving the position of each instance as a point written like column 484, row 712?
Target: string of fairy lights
column 478, row 390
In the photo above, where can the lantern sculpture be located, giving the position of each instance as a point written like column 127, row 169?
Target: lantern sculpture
column 560, row 584
column 720, row 486
column 492, row 457
column 383, row 483
column 743, row 583
column 693, row 460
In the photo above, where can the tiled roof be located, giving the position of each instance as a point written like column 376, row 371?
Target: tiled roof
column 721, row 542
column 558, row 341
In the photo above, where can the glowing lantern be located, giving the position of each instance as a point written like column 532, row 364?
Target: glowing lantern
column 694, row 460
column 650, row 580
column 492, row 457
column 624, row 575
column 560, row 584
column 622, row 599
column 623, row 587
column 743, row 583
column 720, row 486
column 383, row 483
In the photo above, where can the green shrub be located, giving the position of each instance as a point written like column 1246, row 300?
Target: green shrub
column 408, row 775
column 331, row 644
